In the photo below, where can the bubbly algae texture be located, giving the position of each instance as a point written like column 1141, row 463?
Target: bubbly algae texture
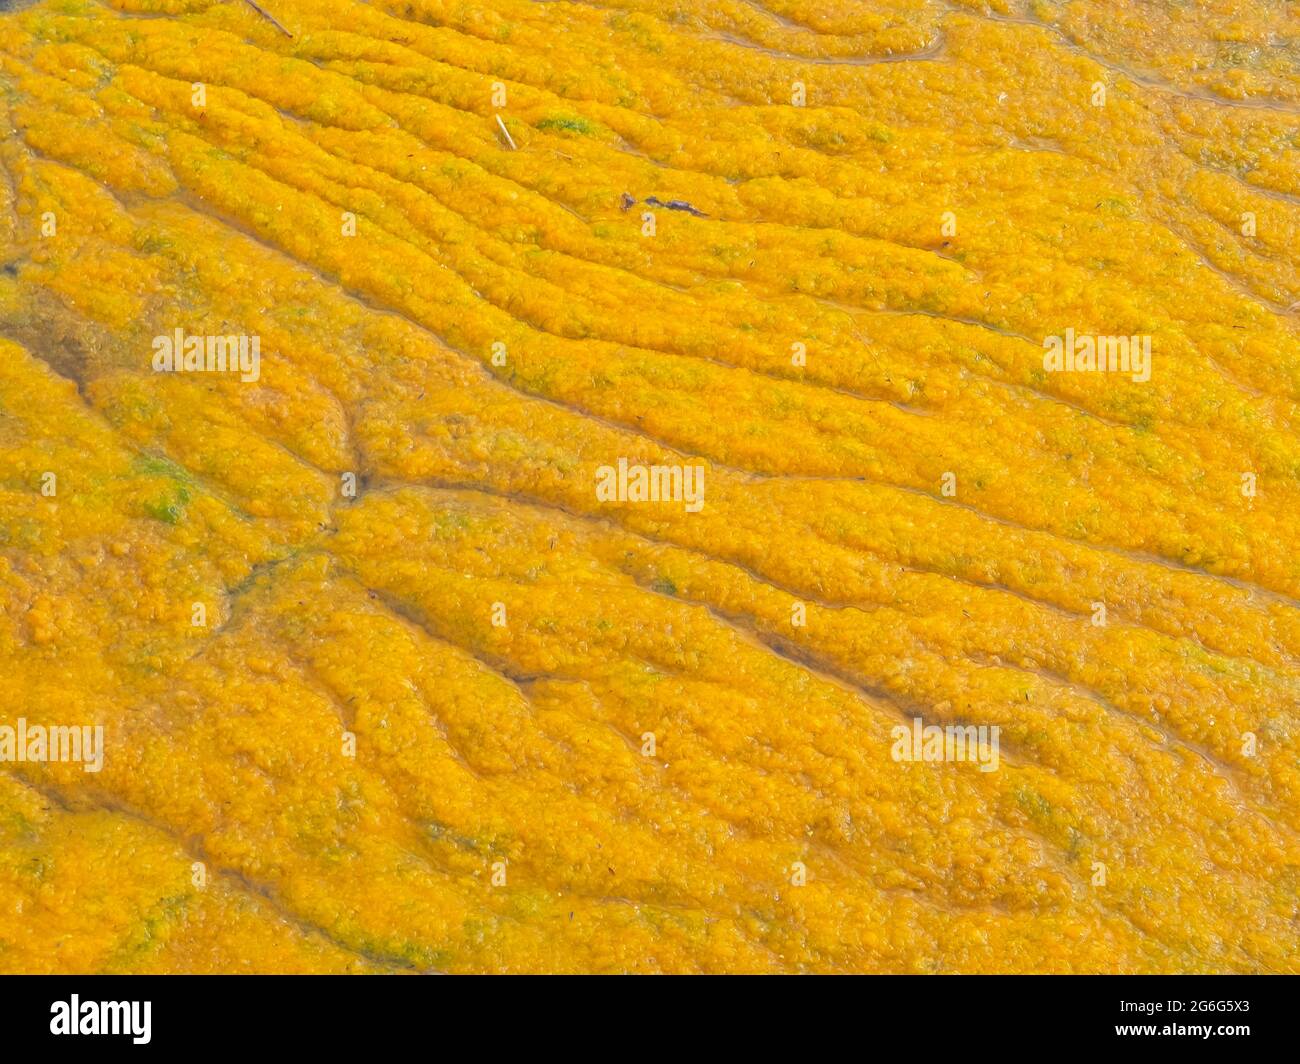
column 385, row 686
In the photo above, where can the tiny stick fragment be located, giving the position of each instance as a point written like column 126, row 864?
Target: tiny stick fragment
column 675, row 205
column 509, row 139
column 269, row 17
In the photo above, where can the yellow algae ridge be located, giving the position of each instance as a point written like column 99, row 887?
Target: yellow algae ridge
column 386, row 683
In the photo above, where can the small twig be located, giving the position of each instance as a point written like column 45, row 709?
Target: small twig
column 269, row 17
column 509, row 139
column 675, row 205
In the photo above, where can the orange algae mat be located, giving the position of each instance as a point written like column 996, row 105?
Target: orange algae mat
column 644, row 424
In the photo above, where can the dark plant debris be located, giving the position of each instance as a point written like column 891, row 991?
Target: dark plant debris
column 627, row 200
